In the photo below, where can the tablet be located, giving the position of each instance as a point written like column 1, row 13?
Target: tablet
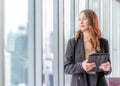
column 98, row 58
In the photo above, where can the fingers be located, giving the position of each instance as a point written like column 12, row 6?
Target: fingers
column 84, row 65
column 88, row 66
column 105, row 66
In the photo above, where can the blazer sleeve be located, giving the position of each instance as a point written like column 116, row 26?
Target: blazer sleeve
column 106, row 50
column 70, row 66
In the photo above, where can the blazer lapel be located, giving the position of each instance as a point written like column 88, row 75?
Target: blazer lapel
column 79, row 50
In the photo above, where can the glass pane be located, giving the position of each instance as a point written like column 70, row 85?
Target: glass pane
column 67, row 33
column 105, row 19
column 48, row 43
column 116, row 39
column 95, row 5
column 16, row 42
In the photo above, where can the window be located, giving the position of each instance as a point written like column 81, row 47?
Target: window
column 48, row 43
column 17, row 60
column 115, row 39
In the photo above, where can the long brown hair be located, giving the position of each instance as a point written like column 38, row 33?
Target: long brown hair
column 93, row 28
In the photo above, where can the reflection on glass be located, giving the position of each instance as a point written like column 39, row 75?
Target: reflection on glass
column 15, row 39
column 48, row 43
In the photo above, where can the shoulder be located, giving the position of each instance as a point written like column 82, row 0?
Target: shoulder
column 104, row 45
column 103, row 40
column 72, row 41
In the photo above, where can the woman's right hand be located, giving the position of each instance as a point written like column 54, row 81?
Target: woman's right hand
column 88, row 66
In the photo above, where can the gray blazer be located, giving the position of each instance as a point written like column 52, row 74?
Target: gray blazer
column 73, row 62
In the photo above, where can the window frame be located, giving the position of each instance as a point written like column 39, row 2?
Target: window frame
column 1, row 44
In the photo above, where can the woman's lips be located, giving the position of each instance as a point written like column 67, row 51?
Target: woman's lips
column 81, row 25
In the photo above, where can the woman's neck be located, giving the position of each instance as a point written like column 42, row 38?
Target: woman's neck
column 86, row 35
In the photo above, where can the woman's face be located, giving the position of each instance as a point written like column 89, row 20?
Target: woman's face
column 83, row 22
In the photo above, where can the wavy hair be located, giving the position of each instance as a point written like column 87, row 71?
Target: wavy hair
column 94, row 29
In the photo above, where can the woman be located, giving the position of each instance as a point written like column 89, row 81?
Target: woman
column 87, row 41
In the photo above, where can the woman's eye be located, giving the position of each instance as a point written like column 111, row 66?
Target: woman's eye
column 84, row 18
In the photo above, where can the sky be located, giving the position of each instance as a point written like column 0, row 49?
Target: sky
column 15, row 15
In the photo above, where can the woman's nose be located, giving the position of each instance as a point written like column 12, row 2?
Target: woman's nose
column 81, row 21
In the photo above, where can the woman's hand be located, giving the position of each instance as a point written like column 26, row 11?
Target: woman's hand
column 105, row 66
column 88, row 66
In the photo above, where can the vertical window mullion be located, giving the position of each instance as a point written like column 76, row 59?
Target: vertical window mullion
column 119, row 37
column 101, row 17
column 56, row 42
column 61, row 42
column 111, row 26
column 76, row 14
column 1, row 45
column 86, row 4
column 31, row 48
column 72, row 27
column 38, row 43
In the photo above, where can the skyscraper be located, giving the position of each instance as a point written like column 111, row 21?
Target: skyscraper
column 17, row 46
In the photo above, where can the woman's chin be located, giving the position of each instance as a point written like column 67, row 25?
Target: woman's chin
column 83, row 30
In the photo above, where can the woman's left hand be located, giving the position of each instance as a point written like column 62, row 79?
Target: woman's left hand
column 105, row 66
